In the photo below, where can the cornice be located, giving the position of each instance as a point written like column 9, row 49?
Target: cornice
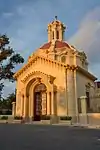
column 86, row 73
column 33, row 59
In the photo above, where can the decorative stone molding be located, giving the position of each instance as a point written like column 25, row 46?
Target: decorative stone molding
column 72, row 67
column 38, row 80
column 86, row 73
column 51, row 79
column 33, row 59
column 36, row 57
column 88, row 85
column 38, row 75
column 83, row 55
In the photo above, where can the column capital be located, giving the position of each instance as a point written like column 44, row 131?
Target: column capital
column 51, row 79
column 71, row 67
column 13, row 103
column 83, row 97
column 22, row 95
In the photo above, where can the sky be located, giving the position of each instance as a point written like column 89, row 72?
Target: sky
column 25, row 23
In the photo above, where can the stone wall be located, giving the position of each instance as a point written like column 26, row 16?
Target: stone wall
column 90, row 118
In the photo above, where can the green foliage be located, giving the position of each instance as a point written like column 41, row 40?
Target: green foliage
column 8, row 60
column 45, row 117
column 18, row 117
column 4, row 118
column 65, row 118
column 7, row 102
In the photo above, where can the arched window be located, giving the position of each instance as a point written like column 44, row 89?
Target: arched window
column 63, row 59
column 57, row 35
column 53, row 35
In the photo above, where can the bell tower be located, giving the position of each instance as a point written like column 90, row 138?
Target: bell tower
column 56, row 30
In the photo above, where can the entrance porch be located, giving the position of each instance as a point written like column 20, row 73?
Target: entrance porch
column 39, row 98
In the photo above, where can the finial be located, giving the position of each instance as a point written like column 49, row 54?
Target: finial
column 55, row 17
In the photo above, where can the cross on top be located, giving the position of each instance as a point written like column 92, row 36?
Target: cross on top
column 56, row 17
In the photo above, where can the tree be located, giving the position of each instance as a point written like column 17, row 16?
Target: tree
column 8, row 60
column 7, row 102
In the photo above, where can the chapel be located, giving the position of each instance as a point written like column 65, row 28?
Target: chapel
column 53, row 79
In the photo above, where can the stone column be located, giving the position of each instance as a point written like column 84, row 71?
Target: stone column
column 71, row 94
column 83, row 104
column 84, row 117
column 26, row 107
column 76, row 99
column 52, row 102
column 49, row 35
column 25, row 103
column 13, row 109
column 32, row 104
column 29, row 106
column 66, row 95
column 60, row 35
column 22, row 105
column 54, row 118
column 48, row 103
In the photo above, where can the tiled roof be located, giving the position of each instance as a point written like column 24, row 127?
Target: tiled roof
column 58, row 44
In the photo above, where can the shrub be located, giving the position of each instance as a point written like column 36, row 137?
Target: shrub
column 18, row 117
column 9, row 112
column 65, row 118
column 4, row 118
column 32, row 118
column 45, row 117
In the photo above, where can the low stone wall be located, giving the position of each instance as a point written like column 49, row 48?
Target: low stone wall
column 94, row 118
column 90, row 118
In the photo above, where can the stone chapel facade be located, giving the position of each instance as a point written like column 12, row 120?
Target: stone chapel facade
column 53, row 79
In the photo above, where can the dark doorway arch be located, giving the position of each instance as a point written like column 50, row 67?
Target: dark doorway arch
column 40, row 101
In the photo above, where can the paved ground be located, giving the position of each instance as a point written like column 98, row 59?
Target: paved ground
column 40, row 137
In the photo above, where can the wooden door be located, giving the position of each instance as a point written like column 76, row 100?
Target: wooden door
column 37, row 106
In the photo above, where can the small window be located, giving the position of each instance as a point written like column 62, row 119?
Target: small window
column 63, row 59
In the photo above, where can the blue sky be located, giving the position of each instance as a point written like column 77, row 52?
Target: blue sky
column 25, row 22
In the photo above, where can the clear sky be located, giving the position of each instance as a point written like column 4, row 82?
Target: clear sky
column 25, row 22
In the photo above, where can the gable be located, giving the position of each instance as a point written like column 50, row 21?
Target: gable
column 38, row 63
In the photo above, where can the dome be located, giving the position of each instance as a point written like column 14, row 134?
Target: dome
column 58, row 44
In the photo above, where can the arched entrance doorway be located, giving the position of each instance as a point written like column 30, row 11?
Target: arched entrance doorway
column 40, row 101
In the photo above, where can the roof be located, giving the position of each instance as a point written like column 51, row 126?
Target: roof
column 58, row 44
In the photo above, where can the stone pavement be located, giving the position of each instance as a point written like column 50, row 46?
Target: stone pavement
column 86, row 126
column 58, row 124
column 73, row 125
